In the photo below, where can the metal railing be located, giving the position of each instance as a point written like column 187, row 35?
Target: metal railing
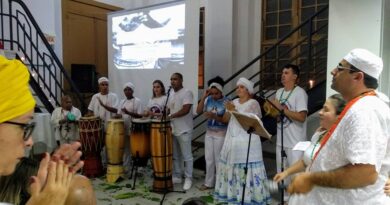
column 20, row 32
column 310, row 60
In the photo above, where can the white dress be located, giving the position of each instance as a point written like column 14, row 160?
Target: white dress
column 230, row 173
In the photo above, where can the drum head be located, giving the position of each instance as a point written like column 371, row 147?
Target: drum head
column 159, row 121
column 140, row 120
column 89, row 118
column 115, row 120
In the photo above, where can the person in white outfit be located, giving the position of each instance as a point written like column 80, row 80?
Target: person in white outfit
column 64, row 120
column 103, row 104
column 292, row 99
column 129, row 108
column 352, row 164
column 213, row 107
column 180, row 105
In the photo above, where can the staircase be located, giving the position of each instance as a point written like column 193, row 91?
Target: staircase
column 21, row 35
column 310, row 54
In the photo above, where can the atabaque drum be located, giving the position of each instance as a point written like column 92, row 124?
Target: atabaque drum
column 161, row 146
column 140, row 141
column 115, row 148
column 115, row 141
column 91, row 138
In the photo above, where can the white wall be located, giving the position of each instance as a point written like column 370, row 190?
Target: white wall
column 232, row 37
column 49, row 19
column 218, row 38
column 385, row 42
column 353, row 24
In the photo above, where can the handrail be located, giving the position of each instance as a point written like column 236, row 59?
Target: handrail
column 307, row 52
column 40, row 38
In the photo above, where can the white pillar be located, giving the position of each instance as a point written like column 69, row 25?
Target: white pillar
column 355, row 24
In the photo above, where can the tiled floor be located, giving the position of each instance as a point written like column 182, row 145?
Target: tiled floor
column 121, row 192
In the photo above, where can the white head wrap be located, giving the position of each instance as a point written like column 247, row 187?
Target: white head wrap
column 365, row 61
column 129, row 85
column 103, row 79
column 216, row 85
column 246, row 83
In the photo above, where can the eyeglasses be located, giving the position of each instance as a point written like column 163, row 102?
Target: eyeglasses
column 341, row 68
column 28, row 128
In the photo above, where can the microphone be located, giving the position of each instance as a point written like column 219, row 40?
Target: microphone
column 169, row 89
column 274, row 187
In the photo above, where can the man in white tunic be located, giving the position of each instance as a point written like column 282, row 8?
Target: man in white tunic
column 353, row 163
column 103, row 104
column 64, row 120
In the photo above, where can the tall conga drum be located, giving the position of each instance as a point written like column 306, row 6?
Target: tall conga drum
column 140, row 141
column 90, row 129
column 161, row 155
column 115, row 148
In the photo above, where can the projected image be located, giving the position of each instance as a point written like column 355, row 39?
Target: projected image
column 149, row 39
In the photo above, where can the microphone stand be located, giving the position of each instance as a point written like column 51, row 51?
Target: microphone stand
column 249, row 131
column 283, row 154
column 163, row 120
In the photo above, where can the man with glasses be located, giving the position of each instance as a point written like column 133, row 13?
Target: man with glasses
column 352, row 164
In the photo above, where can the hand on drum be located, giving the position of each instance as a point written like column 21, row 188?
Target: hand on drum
column 70, row 155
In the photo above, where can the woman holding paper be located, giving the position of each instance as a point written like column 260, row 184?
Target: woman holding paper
column 230, row 174
column 332, row 107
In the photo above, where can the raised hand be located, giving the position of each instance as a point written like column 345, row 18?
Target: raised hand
column 55, row 190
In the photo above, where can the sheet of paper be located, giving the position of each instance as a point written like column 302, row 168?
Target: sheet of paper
column 302, row 146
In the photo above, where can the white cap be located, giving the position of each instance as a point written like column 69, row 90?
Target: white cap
column 216, row 85
column 129, row 85
column 365, row 61
column 103, row 79
column 246, row 83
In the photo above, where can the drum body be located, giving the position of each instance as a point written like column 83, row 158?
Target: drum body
column 161, row 154
column 140, row 141
column 115, row 141
column 115, row 149
column 90, row 129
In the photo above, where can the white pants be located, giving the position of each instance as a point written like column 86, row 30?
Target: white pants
column 212, row 149
column 182, row 151
column 292, row 157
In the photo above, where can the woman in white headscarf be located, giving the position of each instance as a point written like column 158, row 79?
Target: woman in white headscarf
column 230, row 173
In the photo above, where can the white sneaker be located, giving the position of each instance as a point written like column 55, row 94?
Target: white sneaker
column 176, row 180
column 187, row 184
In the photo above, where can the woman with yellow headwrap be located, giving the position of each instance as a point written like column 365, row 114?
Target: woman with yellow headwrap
column 51, row 184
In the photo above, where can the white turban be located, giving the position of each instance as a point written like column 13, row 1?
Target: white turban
column 246, row 83
column 365, row 61
column 103, row 79
column 129, row 85
column 216, row 85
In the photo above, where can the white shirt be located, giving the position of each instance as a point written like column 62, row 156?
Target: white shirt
column 66, row 132
column 110, row 99
column 362, row 137
column 293, row 131
column 184, row 123
column 156, row 104
column 235, row 147
column 133, row 105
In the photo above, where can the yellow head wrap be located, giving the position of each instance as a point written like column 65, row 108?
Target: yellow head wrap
column 15, row 96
